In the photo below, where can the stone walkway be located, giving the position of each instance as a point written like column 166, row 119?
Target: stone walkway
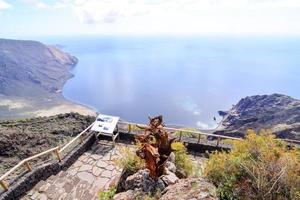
column 93, row 171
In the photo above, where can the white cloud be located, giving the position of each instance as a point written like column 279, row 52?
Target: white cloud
column 38, row 4
column 197, row 112
column 99, row 10
column 4, row 5
column 60, row 5
column 205, row 126
column 191, row 16
column 189, row 105
column 182, row 16
column 107, row 11
column 41, row 5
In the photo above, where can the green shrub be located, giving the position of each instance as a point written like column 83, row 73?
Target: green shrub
column 129, row 161
column 259, row 167
column 183, row 161
column 107, row 195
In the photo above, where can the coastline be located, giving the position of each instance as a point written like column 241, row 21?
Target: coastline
column 12, row 107
column 33, row 75
column 65, row 108
column 43, row 105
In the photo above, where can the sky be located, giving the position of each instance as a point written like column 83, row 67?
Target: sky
column 142, row 17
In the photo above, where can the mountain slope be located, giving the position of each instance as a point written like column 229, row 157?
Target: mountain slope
column 29, row 68
column 277, row 112
column 31, row 79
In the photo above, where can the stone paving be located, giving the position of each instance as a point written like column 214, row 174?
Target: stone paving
column 93, row 171
column 199, row 161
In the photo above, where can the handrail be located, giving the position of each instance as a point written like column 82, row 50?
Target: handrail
column 74, row 139
column 11, row 170
column 26, row 160
column 289, row 140
column 207, row 134
column 189, row 131
column 40, row 154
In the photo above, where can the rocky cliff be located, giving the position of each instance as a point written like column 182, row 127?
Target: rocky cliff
column 30, row 68
column 277, row 112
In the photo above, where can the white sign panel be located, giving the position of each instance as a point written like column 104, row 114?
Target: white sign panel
column 105, row 124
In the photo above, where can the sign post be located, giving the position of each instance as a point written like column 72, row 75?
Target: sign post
column 105, row 125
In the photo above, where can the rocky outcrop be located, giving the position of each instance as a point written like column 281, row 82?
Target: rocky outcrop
column 141, row 185
column 191, row 188
column 29, row 68
column 277, row 112
column 182, row 189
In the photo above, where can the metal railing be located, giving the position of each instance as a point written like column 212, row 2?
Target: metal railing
column 182, row 132
column 199, row 134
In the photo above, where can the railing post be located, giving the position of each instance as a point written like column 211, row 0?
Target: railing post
column 199, row 137
column 4, row 185
column 28, row 166
column 81, row 139
column 218, row 142
column 129, row 128
column 57, row 154
column 180, row 135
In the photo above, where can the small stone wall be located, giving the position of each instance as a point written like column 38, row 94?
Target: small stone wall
column 30, row 179
column 204, row 148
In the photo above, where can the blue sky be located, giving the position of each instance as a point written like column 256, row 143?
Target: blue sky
column 141, row 17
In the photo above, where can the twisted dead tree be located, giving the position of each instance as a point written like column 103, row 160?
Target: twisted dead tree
column 155, row 146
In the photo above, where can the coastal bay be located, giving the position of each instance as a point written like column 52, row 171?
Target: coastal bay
column 186, row 79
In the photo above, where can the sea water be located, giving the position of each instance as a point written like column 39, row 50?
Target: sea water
column 186, row 79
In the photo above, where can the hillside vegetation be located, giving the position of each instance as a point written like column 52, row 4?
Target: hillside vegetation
column 258, row 168
column 29, row 68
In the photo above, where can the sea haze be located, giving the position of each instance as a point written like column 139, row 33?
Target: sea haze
column 186, row 79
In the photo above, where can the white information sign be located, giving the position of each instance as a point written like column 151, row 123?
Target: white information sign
column 105, row 124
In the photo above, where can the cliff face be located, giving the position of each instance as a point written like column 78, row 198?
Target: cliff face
column 277, row 112
column 29, row 68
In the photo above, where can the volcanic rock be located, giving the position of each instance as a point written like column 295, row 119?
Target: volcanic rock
column 277, row 112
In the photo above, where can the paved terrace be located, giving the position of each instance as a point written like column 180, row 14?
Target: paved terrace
column 94, row 170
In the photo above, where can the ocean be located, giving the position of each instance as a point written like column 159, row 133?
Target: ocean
column 186, row 79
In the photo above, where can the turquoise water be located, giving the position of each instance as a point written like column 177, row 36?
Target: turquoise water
column 186, row 79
